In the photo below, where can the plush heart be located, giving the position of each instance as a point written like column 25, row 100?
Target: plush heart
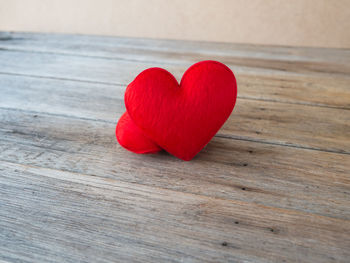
column 132, row 138
column 183, row 118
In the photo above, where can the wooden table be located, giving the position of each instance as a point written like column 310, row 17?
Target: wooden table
column 272, row 186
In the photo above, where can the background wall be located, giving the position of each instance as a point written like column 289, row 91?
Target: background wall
column 323, row 23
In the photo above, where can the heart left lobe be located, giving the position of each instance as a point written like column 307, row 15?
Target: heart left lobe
column 132, row 138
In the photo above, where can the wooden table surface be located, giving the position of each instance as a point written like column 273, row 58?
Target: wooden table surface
column 272, row 186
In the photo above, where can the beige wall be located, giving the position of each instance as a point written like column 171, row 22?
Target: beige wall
column 324, row 23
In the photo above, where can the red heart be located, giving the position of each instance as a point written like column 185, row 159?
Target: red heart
column 132, row 138
column 183, row 118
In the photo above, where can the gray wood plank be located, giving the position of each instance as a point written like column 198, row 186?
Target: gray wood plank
column 54, row 216
column 270, row 122
column 293, row 59
column 297, row 179
column 100, row 60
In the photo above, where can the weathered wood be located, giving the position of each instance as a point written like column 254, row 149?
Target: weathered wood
column 255, row 82
column 239, row 170
column 292, row 59
column 75, row 217
column 312, row 127
column 309, row 90
column 272, row 186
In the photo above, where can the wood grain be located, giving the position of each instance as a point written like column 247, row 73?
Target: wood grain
column 232, row 169
column 272, row 186
column 95, row 56
column 176, row 52
column 271, row 122
column 76, row 217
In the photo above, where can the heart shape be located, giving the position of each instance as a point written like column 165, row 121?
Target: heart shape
column 180, row 119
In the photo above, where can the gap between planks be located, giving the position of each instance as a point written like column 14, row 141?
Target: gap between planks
column 201, row 228
column 246, row 171
column 229, row 63
column 125, row 85
column 219, row 135
column 302, row 88
column 276, row 122
column 78, row 177
column 310, row 59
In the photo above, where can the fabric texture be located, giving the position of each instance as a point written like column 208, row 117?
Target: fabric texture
column 179, row 118
column 132, row 138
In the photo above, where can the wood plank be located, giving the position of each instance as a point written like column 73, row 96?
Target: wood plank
column 75, row 217
column 254, row 81
column 308, row 90
column 276, row 176
column 270, row 122
column 293, row 59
